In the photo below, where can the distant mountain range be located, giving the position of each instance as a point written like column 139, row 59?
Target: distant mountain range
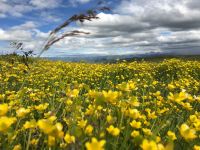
column 114, row 58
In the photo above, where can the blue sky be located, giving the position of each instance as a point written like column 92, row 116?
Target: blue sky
column 132, row 27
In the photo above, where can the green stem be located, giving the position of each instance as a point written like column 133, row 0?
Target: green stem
column 120, row 124
column 29, row 139
column 17, row 124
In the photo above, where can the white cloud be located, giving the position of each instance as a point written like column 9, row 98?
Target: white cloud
column 12, row 9
column 41, row 4
column 2, row 15
column 83, row 1
column 167, row 13
column 18, row 8
column 75, row 2
column 135, row 26
column 49, row 17
column 27, row 25
column 18, row 35
column 26, row 33
column 142, row 24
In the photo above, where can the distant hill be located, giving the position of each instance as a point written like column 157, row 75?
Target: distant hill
column 109, row 58
column 114, row 58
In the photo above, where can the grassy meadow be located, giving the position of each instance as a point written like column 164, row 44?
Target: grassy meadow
column 146, row 105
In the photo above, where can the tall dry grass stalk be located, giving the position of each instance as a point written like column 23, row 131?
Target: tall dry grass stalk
column 55, row 35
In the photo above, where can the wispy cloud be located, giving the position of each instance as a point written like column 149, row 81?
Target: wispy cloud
column 76, row 2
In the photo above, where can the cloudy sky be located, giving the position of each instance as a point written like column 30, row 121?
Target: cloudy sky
column 132, row 27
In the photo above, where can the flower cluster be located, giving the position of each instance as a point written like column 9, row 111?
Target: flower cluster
column 136, row 105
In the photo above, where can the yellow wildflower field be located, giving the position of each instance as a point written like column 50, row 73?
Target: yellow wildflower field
column 126, row 105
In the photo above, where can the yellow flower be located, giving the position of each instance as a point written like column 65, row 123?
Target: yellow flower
column 110, row 96
column 69, row 102
column 148, row 145
column 34, row 141
column 30, row 124
column 58, row 130
column 99, row 108
column 22, row 112
column 193, row 118
column 102, row 134
column 109, row 119
column 161, row 147
column 171, row 86
column 17, row 147
column 51, row 141
column 152, row 115
column 136, row 124
column 135, row 133
column 147, row 131
column 197, row 125
column 196, row 147
column 52, row 118
column 89, row 129
column 113, row 131
column 82, row 123
column 123, row 87
column 63, row 145
column 187, row 133
column 48, row 128
column 69, row 139
column 3, row 109
column 132, row 85
column 89, row 110
column 95, row 145
column 134, row 102
column 93, row 94
column 158, row 139
column 72, row 93
column 42, row 107
column 5, row 123
column 134, row 113
column 178, row 97
column 186, row 105
column 171, row 135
